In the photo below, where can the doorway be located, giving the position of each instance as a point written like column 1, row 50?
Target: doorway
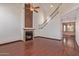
column 68, row 30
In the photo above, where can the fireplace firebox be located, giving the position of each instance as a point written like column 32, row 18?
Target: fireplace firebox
column 28, row 35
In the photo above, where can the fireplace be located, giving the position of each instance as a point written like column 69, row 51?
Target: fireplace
column 28, row 34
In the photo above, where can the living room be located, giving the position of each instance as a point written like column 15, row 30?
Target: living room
column 38, row 28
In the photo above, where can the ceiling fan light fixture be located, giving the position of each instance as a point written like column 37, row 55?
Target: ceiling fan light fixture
column 31, row 9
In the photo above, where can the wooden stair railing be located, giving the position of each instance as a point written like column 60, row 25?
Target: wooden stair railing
column 50, row 17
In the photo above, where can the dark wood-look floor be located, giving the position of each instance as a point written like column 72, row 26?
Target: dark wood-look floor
column 38, row 47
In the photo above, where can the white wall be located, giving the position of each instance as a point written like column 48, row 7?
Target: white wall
column 53, row 29
column 77, row 28
column 10, row 22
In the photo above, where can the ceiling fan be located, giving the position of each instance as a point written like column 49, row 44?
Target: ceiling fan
column 32, row 8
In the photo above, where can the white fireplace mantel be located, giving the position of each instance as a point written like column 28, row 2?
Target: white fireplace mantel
column 30, row 29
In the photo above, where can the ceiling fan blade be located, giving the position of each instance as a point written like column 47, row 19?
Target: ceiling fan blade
column 36, row 7
column 36, row 11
